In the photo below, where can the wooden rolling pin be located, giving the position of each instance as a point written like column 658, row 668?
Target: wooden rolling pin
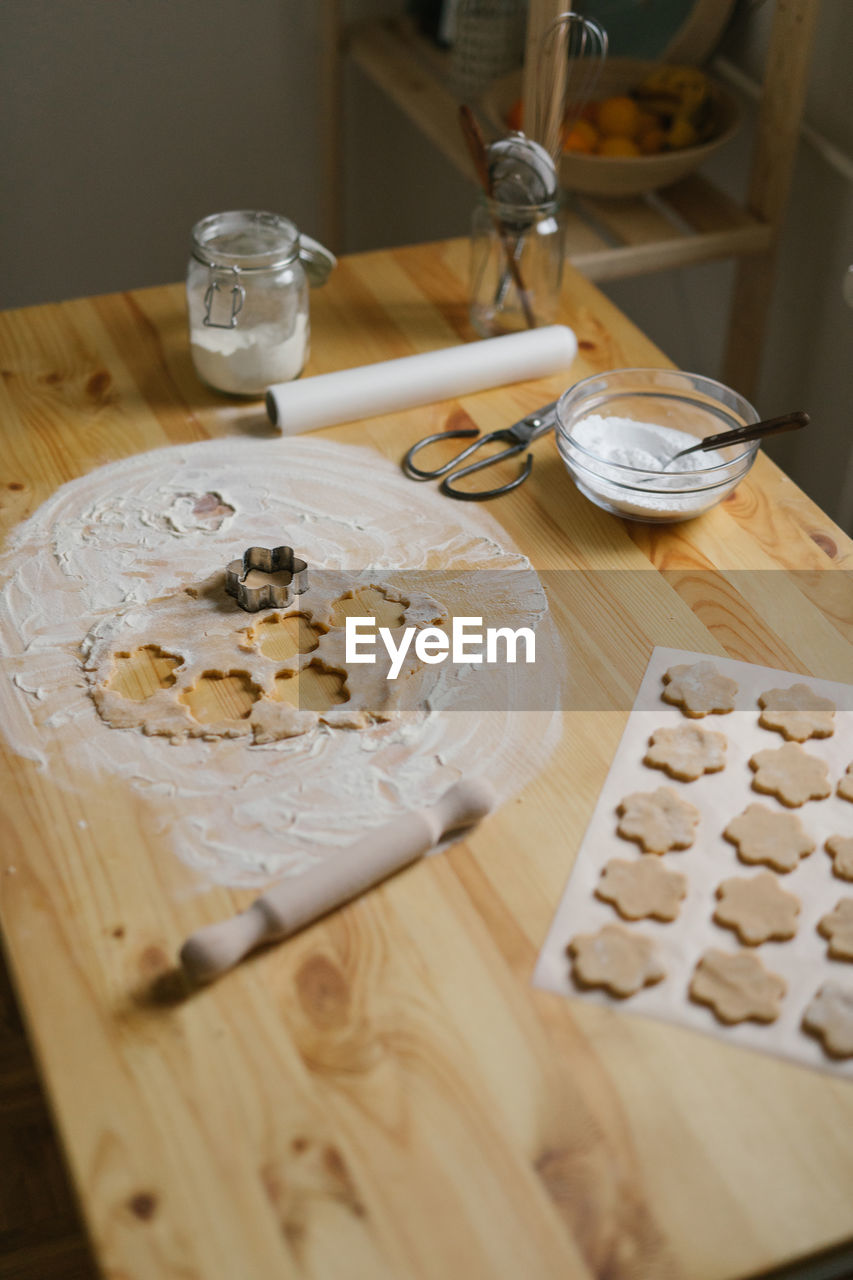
column 295, row 902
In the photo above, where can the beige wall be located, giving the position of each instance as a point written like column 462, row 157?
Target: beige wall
column 124, row 121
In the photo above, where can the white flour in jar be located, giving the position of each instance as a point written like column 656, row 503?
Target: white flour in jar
column 248, row 361
column 645, row 446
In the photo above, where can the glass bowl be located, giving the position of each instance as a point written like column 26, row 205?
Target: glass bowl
column 609, row 436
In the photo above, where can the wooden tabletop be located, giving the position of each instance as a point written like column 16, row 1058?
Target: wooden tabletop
column 386, row 1096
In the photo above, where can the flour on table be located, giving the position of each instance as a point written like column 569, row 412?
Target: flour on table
column 131, row 555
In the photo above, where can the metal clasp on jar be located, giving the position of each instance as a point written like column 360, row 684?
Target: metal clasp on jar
column 238, row 297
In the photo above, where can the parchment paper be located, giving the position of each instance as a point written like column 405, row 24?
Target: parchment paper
column 803, row 961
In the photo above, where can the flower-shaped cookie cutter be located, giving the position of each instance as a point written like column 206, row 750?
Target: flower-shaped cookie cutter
column 252, row 595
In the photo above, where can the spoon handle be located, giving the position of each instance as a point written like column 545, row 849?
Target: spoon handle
column 771, row 427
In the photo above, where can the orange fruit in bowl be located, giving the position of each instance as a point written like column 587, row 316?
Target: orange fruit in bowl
column 652, row 142
column 614, row 146
column 583, row 137
column 619, row 117
column 515, row 115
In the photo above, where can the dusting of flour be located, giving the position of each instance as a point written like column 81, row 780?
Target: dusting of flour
column 106, row 546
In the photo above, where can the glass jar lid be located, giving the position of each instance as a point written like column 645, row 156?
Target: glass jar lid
column 251, row 240
column 246, row 239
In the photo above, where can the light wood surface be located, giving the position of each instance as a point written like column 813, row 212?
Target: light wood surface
column 385, row 1095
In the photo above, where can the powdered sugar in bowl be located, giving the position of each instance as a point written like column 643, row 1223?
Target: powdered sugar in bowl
column 617, row 431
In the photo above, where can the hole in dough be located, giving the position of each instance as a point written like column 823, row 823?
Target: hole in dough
column 367, row 602
column 314, row 688
column 140, row 674
column 281, row 636
column 220, row 695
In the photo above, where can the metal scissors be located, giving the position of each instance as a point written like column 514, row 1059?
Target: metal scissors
column 518, row 437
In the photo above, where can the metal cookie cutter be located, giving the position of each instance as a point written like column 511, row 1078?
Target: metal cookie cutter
column 269, row 595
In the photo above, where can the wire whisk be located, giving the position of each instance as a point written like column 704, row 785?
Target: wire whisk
column 571, row 55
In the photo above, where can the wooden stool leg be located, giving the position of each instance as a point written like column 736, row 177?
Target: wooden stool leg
column 778, row 129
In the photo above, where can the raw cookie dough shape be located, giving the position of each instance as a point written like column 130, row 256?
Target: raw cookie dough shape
column 658, row 820
column 845, row 786
column 829, row 1016
column 233, row 681
column 642, row 888
column 737, row 987
column 790, row 774
column 757, row 909
column 798, row 713
column 699, row 689
column 840, row 849
column 768, row 836
column 140, row 674
column 837, row 926
column 620, row 961
column 686, row 752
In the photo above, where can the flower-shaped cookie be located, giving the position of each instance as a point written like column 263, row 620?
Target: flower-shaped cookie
column 737, row 987
column 840, row 849
column 658, row 820
column 797, row 713
column 686, row 752
column 757, row 909
column 615, row 959
column 845, row 786
column 790, row 774
column 838, row 928
column 829, row 1016
column 699, row 689
column 765, row 835
column 641, row 888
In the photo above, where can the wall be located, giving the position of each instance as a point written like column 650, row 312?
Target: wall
column 124, row 121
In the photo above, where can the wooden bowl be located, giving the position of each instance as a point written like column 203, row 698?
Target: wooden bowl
column 622, row 175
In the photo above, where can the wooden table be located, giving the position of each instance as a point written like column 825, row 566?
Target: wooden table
column 386, row 1096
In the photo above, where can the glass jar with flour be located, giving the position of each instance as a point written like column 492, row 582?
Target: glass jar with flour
column 247, row 294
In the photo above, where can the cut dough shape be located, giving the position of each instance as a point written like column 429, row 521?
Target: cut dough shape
column 138, row 675
column 840, row 849
column 737, row 987
column 642, row 888
column 369, row 602
column 280, row 636
column 798, row 713
column 620, row 961
column 686, row 752
column 790, row 774
column 658, row 820
column 313, row 688
column 838, row 928
column 845, row 786
column 699, row 689
column 829, row 1016
column 757, row 909
column 765, row 835
column 221, row 695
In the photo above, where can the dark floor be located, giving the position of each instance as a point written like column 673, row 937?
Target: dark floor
column 41, row 1237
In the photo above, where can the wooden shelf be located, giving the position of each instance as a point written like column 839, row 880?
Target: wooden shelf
column 691, row 221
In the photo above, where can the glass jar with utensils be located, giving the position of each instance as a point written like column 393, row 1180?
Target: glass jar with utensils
column 517, row 253
column 247, row 294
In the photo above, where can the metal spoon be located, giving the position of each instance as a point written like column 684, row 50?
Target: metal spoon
column 770, row 427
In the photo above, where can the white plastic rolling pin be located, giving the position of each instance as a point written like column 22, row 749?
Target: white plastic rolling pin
column 394, row 385
column 294, row 903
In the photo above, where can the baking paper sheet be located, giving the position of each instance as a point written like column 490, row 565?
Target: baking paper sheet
column 803, row 961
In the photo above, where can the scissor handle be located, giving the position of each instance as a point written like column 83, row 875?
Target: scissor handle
column 418, row 473
column 482, row 495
